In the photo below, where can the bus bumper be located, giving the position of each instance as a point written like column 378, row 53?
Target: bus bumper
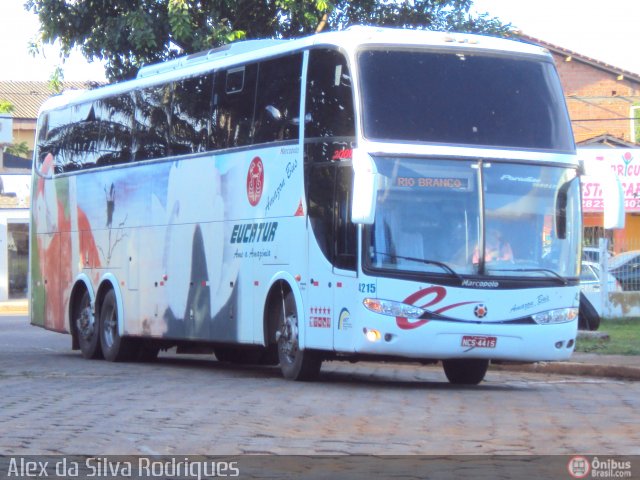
column 441, row 340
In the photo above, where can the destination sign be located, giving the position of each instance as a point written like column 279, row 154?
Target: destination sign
column 453, row 183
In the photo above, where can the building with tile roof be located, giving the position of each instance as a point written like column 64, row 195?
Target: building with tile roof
column 27, row 97
column 604, row 106
column 603, row 100
column 15, row 179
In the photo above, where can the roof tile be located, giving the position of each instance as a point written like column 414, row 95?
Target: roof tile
column 27, row 97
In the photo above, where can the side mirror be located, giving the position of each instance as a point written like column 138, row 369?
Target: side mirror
column 365, row 183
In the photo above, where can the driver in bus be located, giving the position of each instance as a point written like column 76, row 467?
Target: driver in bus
column 496, row 248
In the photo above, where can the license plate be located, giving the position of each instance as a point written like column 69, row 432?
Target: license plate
column 478, row 341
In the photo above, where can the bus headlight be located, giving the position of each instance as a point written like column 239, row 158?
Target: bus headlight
column 393, row 309
column 559, row 315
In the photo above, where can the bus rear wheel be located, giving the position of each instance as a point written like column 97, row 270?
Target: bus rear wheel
column 114, row 347
column 465, row 371
column 86, row 328
column 295, row 364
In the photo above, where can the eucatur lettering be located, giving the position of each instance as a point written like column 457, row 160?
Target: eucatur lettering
column 254, row 232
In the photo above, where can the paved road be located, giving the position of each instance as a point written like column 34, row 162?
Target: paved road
column 54, row 402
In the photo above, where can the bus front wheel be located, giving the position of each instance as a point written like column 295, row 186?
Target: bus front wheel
column 295, row 363
column 465, row 371
column 114, row 347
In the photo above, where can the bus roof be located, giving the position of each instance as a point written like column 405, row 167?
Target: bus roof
column 251, row 50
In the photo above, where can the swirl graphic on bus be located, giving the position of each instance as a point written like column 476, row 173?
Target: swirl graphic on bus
column 438, row 295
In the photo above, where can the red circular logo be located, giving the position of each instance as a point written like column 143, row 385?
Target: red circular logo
column 255, row 181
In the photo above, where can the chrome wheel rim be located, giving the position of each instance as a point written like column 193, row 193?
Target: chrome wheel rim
column 288, row 342
column 109, row 327
column 86, row 323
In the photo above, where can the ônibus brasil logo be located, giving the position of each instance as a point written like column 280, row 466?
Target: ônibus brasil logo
column 582, row 467
column 579, row 467
column 255, row 181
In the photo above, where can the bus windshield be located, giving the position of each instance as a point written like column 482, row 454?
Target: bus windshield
column 463, row 98
column 429, row 219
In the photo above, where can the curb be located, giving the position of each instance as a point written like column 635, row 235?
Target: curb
column 14, row 308
column 619, row 372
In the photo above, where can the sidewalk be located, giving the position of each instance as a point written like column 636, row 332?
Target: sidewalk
column 622, row 367
column 14, row 307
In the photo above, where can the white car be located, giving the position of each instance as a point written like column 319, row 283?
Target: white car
column 590, row 284
column 592, row 254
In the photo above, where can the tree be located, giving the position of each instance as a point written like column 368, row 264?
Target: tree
column 6, row 106
column 129, row 33
column 20, row 149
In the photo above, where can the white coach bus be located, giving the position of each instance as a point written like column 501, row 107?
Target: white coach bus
column 366, row 194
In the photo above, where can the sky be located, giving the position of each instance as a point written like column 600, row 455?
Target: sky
column 18, row 28
column 601, row 29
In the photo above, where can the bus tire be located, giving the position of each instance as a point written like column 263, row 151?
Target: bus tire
column 114, row 347
column 465, row 371
column 295, row 364
column 588, row 317
column 86, row 328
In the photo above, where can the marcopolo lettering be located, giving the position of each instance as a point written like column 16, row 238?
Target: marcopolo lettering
column 254, row 232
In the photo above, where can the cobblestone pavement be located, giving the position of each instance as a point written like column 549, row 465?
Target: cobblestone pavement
column 55, row 402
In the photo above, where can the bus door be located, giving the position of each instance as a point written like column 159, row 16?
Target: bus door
column 345, row 281
column 329, row 137
column 332, row 251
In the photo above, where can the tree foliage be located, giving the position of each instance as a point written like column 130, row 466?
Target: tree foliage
column 129, row 33
column 20, row 149
column 6, row 106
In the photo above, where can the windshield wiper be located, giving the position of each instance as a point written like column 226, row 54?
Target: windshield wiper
column 545, row 270
column 442, row 265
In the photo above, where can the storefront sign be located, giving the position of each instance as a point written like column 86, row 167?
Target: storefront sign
column 625, row 163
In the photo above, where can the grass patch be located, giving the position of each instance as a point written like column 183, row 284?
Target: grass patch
column 624, row 338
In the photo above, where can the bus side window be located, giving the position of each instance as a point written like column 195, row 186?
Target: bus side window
column 329, row 104
column 330, row 213
column 234, row 98
column 345, row 230
column 116, row 122
column 321, row 205
column 153, row 113
column 82, row 141
column 58, row 138
column 42, row 148
column 278, row 99
column 191, row 115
